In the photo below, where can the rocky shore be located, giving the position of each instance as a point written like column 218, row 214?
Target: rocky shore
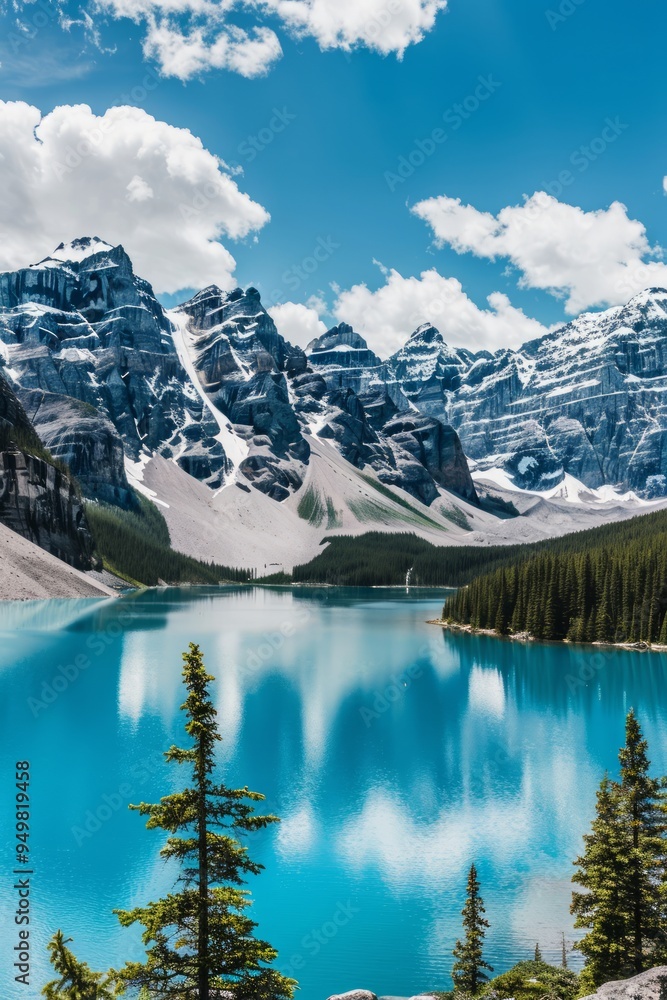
column 649, row 985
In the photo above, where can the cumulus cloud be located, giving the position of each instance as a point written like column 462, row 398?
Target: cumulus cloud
column 298, row 323
column 388, row 26
column 386, row 316
column 187, row 37
column 590, row 259
column 129, row 179
column 186, row 54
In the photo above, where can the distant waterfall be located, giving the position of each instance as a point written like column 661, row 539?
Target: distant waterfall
column 408, row 576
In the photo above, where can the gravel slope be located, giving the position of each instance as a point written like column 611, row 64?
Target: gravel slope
column 29, row 573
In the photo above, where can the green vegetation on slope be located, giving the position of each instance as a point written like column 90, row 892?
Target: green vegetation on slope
column 389, row 494
column 604, row 585
column 380, row 559
column 456, row 516
column 135, row 545
column 311, row 508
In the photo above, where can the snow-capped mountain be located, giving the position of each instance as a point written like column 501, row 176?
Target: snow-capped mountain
column 587, row 400
column 109, row 380
column 253, row 447
column 91, row 352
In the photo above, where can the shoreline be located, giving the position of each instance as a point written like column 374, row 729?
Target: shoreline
column 525, row 637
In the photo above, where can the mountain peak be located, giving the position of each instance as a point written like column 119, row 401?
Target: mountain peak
column 80, row 249
column 339, row 336
column 427, row 333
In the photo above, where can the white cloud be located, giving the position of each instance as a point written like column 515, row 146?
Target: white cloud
column 386, row 316
column 298, row 323
column 388, row 26
column 129, row 179
column 589, row 258
column 187, row 54
column 187, row 37
column 139, row 190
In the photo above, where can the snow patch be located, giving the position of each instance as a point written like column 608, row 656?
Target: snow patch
column 79, row 250
column 235, row 448
column 135, row 477
column 569, row 489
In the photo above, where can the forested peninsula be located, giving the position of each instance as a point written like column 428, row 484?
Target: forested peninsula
column 608, row 585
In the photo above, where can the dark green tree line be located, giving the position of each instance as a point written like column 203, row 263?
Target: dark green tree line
column 615, row 592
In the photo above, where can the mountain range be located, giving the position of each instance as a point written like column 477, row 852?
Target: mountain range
column 251, row 444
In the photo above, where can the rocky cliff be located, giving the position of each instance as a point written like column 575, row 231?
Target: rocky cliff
column 37, row 499
column 586, row 400
column 277, row 398
column 82, row 325
column 109, row 379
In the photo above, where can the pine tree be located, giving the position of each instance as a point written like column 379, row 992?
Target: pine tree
column 644, row 800
column 538, row 953
column 563, row 960
column 603, row 872
column 468, row 971
column 76, row 980
column 624, row 869
column 199, row 940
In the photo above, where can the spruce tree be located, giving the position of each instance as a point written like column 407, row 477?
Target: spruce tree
column 468, row 971
column 624, row 870
column 199, row 939
column 76, row 981
column 644, row 800
column 538, row 953
column 563, row 959
column 603, row 872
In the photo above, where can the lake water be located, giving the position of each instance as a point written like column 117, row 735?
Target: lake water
column 395, row 754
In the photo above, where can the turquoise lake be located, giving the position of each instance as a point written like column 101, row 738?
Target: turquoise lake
column 396, row 754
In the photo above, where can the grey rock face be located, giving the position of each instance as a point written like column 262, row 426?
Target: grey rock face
column 36, row 499
column 367, row 414
column 650, row 985
column 39, row 502
column 243, row 364
column 97, row 363
column 354, row 995
column 84, row 439
column 81, row 324
column 588, row 399
column 436, row 447
column 426, row 368
column 341, row 347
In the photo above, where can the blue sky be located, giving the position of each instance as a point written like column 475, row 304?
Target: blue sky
column 326, row 167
